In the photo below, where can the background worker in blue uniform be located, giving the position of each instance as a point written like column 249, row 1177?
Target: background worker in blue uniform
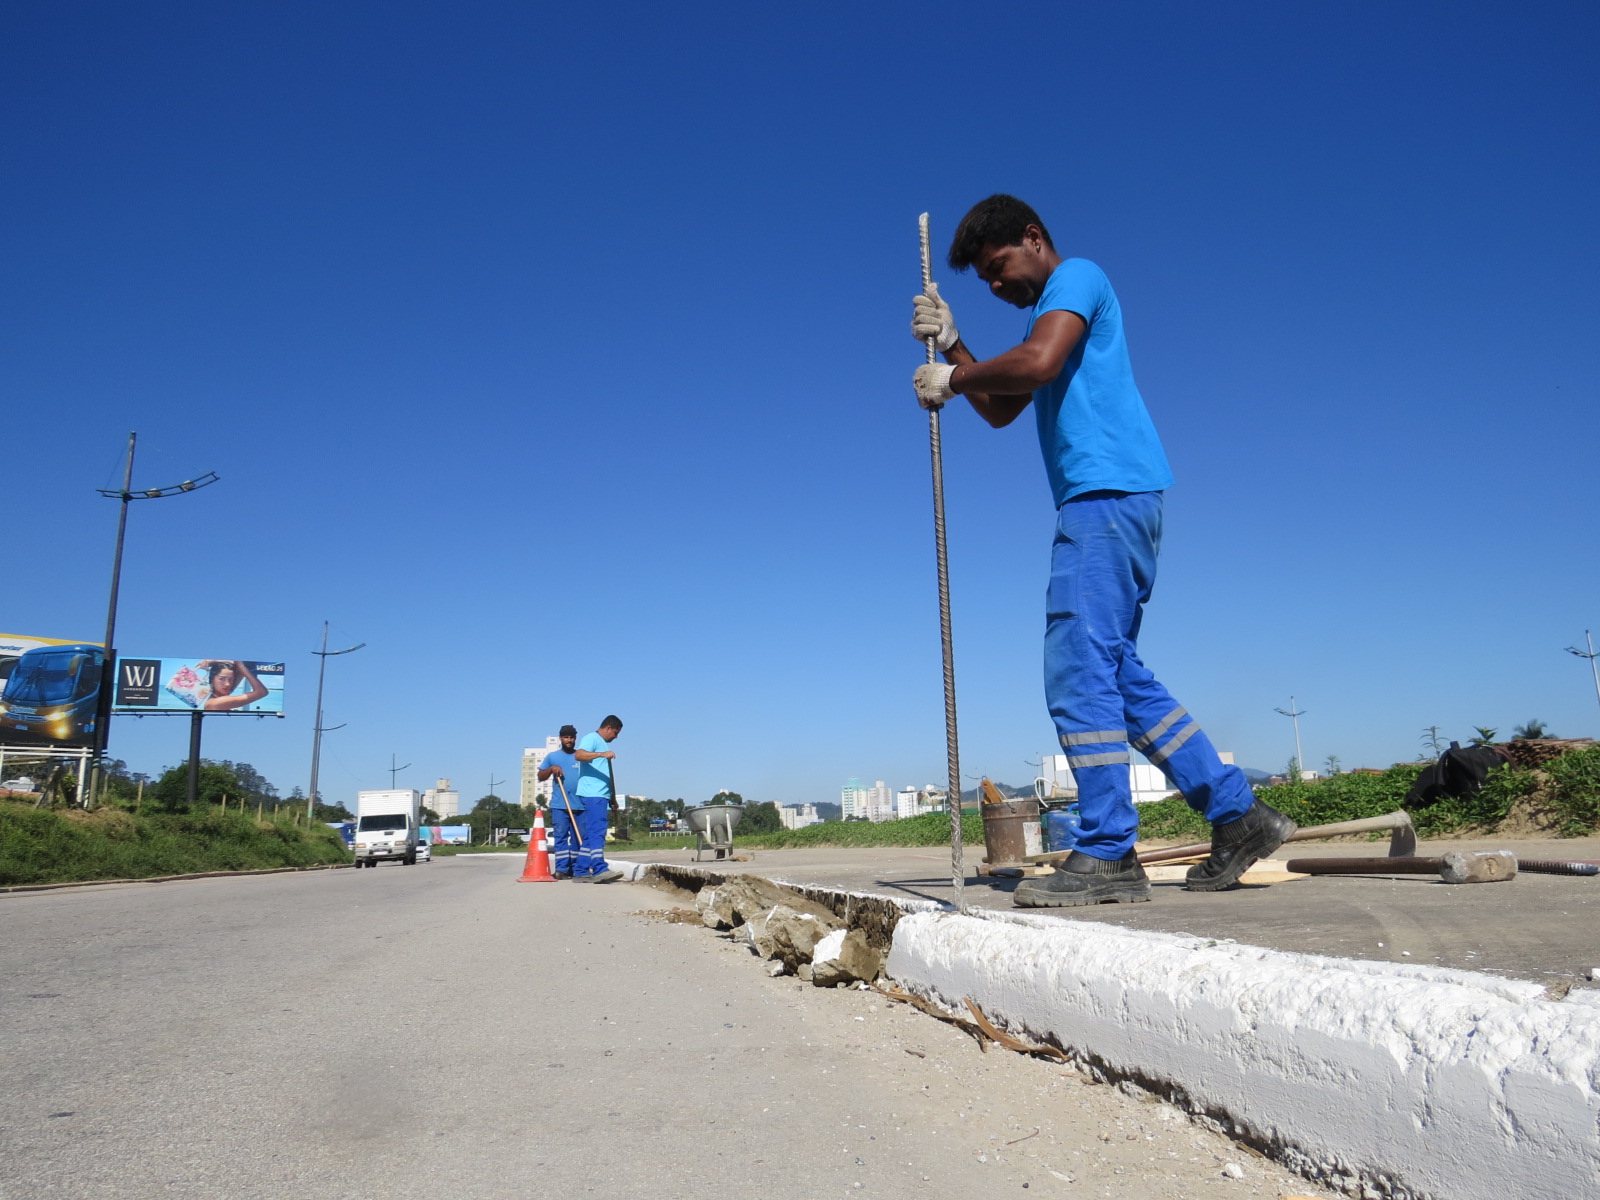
column 1107, row 473
column 565, row 804
column 599, row 798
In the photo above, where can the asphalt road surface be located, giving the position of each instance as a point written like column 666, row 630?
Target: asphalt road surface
column 441, row 1030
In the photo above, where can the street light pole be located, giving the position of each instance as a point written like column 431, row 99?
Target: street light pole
column 394, row 770
column 316, row 737
column 1296, row 713
column 102, row 724
column 1591, row 655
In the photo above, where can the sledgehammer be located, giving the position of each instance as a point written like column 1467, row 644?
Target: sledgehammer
column 1402, row 838
column 1458, row 866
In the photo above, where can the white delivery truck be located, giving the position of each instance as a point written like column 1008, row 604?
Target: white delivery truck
column 386, row 826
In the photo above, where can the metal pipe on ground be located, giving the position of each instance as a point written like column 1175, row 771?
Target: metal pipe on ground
column 1458, row 866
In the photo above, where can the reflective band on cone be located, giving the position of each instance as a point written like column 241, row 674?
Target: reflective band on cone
column 537, row 868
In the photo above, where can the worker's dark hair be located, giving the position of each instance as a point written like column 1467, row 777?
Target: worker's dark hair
column 1001, row 220
column 568, row 731
column 612, row 723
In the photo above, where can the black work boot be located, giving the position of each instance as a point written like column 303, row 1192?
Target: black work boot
column 1236, row 845
column 1083, row 879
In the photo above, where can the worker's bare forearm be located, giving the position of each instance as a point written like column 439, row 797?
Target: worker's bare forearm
column 998, row 407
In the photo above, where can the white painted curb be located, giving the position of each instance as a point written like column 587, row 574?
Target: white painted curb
column 1378, row 1078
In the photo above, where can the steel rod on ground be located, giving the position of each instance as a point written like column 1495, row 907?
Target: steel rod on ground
column 953, row 786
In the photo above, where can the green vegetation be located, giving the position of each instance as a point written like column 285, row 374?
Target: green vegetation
column 39, row 845
column 1566, row 792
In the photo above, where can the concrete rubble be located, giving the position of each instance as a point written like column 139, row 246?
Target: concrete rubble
column 798, row 936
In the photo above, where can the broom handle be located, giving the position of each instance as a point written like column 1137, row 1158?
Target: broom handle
column 952, row 754
column 571, row 820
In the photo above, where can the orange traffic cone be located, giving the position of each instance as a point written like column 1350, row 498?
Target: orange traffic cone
column 537, row 868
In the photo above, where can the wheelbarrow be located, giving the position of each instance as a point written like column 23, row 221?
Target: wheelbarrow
column 713, row 826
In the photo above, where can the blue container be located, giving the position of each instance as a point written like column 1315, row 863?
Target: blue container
column 1062, row 829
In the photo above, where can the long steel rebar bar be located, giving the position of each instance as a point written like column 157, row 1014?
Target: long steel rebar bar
column 952, row 753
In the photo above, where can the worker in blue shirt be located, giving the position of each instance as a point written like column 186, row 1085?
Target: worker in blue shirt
column 598, row 797
column 562, row 765
column 1107, row 473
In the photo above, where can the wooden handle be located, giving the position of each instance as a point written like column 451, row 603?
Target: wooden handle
column 1395, row 820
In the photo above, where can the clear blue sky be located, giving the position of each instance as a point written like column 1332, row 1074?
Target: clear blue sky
column 561, row 355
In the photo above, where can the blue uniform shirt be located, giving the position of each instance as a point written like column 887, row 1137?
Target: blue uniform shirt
column 1094, row 430
column 571, row 772
column 596, row 777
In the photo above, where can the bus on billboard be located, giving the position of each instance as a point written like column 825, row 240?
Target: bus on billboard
column 209, row 685
column 51, row 690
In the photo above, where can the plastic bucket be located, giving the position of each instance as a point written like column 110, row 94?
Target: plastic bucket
column 1061, row 825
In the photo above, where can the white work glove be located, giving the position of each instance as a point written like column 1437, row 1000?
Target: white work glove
column 932, row 318
column 932, row 382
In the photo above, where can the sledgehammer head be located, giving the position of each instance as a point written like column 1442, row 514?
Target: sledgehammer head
column 1403, row 837
column 1482, row 866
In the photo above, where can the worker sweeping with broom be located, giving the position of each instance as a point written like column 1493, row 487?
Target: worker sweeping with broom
column 1107, row 473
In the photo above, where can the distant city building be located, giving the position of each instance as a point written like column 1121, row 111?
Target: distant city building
column 852, row 800
column 1145, row 781
column 798, row 816
column 534, row 792
column 879, row 804
column 442, row 799
column 914, row 801
column 875, row 803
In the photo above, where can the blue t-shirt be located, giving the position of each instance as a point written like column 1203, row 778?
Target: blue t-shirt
column 571, row 772
column 596, row 777
column 1094, row 430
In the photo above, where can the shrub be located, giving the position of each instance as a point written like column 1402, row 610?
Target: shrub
column 45, row 846
column 1573, row 791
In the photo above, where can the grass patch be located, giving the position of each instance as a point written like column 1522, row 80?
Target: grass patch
column 62, row 846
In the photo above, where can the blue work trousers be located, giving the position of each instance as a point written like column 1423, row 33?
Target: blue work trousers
column 593, row 821
column 1101, row 696
column 564, row 837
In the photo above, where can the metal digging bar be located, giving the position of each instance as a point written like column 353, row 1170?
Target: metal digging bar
column 958, row 870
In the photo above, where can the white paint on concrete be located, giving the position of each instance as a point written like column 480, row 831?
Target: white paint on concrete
column 1400, row 1079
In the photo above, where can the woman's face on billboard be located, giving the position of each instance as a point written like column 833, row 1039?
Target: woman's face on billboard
column 223, row 681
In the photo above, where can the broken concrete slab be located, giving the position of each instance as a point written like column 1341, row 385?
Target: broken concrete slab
column 741, row 898
column 844, row 957
column 788, row 936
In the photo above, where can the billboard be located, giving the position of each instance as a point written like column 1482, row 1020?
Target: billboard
column 49, row 690
column 210, row 685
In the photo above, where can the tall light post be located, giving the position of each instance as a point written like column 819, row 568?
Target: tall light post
column 1296, row 714
column 394, row 770
column 1590, row 654
column 316, row 737
column 108, row 678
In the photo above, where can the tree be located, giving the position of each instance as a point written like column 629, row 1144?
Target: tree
column 727, row 798
column 428, row 816
column 254, row 785
column 1485, row 736
column 761, row 818
column 491, row 813
column 1532, row 730
column 1332, row 763
column 332, row 812
column 218, row 780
